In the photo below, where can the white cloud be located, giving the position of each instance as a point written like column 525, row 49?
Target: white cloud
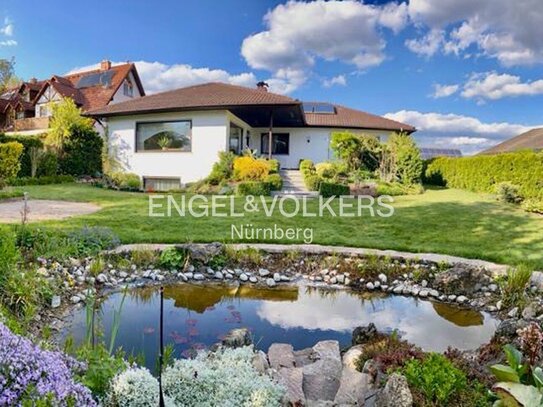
column 493, row 86
column 427, row 45
column 443, row 91
column 509, row 31
column 8, row 43
column 299, row 33
column 8, row 28
column 339, row 80
column 452, row 130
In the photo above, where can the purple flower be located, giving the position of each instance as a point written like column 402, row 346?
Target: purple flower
column 28, row 372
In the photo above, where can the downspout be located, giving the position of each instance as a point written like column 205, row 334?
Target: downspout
column 270, row 136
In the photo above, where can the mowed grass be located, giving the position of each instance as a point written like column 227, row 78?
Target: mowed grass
column 444, row 221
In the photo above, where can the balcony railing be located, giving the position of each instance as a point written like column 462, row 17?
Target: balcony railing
column 31, row 123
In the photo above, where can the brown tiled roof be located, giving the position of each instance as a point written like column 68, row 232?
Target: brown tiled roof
column 532, row 139
column 345, row 117
column 206, row 96
column 93, row 97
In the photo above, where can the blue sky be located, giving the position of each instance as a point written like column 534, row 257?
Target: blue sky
column 466, row 73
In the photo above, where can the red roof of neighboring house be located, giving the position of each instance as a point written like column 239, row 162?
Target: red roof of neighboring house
column 216, row 95
column 530, row 140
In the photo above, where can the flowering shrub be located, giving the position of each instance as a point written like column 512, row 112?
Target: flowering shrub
column 30, row 375
column 249, row 168
column 225, row 378
column 135, row 387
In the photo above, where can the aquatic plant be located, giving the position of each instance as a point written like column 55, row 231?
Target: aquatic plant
column 30, row 375
column 513, row 287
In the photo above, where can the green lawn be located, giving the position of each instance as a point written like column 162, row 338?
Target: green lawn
column 443, row 221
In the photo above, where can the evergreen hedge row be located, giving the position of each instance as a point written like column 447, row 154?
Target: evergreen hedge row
column 27, row 142
column 482, row 173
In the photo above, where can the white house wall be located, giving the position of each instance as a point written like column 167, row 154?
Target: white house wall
column 209, row 136
column 121, row 97
column 311, row 143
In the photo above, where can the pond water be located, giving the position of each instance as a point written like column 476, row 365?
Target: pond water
column 196, row 317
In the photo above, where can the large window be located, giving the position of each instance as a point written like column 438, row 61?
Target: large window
column 235, row 139
column 164, row 136
column 280, row 143
column 128, row 89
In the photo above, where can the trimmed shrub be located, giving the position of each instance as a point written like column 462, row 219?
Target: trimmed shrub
column 275, row 181
column 325, row 170
column 125, row 181
column 482, row 173
column 407, row 160
column 223, row 169
column 10, row 155
column 328, row 189
column 253, row 188
column 274, row 166
column 249, row 168
column 307, row 167
column 46, row 180
column 28, row 142
column 82, row 153
column 508, row 193
column 312, row 182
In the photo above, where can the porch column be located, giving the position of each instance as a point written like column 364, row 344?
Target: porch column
column 270, row 136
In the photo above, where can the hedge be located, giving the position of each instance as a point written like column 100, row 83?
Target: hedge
column 82, row 154
column 275, row 181
column 45, row 180
column 27, row 142
column 10, row 155
column 482, row 173
column 253, row 188
column 328, row 189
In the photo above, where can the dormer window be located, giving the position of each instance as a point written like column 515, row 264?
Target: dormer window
column 128, row 88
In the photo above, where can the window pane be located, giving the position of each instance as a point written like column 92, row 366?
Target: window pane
column 161, row 184
column 280, row 143
column 164, row 136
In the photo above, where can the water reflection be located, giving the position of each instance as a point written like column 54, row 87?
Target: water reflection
column 197, row 317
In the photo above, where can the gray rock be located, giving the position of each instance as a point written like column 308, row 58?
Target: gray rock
column 383, row 278
column 363, row 334
column 270, row 282
column 370, row 286
column 493, row 288
column 260, row 362
column 424, row 283
column 101, row 278
column 353, row 388
column 55, row 301
column 531, row 311
column 243, row 277
column 459, row 279
column 218, row 275
column 396, row 393
column 340, row 278
column 304, row 357
column 292, row 380
column 461, row 299
column 253, row 279
column 123, row 274
column 182, row 276
column 327, row 349
column 347, row 281
column 189, row 274
column 210, row 271
column 351, row 356
column 263, row 272
column 281, row 355
column 451, row 297
column 398, row 289
column 277, row 277
column 513, row 313
column 285, row 278
column 537, row 280
column 508, row 327
column 433, row 293
column 74, row 299
column 333, row 280
column 199, row 277
column 237, row 338
column 321, row 379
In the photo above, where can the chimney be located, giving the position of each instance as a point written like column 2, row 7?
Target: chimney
column 105, row 65
column 263, row 86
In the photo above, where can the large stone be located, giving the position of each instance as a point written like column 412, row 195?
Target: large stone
column 322, row 378
column 281, row 355
column 237, row 338
column 260, row 362
column 537, row 280
column 459, row 279
column 304, row 357
column 363, row 334
column 351, row 357
column 353, row 388
column 292, row 380
column 396, row 393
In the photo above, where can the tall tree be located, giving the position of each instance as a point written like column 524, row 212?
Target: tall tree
column 66, row 117
column 7, row 73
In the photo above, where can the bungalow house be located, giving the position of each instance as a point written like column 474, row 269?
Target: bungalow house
column 530, row 140
column 27, row 108
column 174, row 137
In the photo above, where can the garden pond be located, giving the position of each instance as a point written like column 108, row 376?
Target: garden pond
column 198, row 316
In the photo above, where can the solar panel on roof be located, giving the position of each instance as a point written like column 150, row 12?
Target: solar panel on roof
column 95, row 79
column 319, row 108
column 428, row 153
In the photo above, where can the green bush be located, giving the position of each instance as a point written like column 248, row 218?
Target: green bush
column 395, row 189
column 47, row 164
column 275, row 181
column 312, row 182
column 508, row 193
column 172, row 258
column 89, row 241
column 325, row 170
column 253, row 188
column 82, row 153
column 436, row 378
column 356, row 151
column 274, row 166
column 28, row 142
column 483, row 172
column 328, row 189
column 126, row 181
column 307, row 167
column 45, row 180
column 223, row 169
column 10, row 155
column 407, row 159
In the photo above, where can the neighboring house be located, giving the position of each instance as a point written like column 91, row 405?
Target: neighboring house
column 28, row 107
column 427, row 153
column 174, row 137
column 530, row 140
